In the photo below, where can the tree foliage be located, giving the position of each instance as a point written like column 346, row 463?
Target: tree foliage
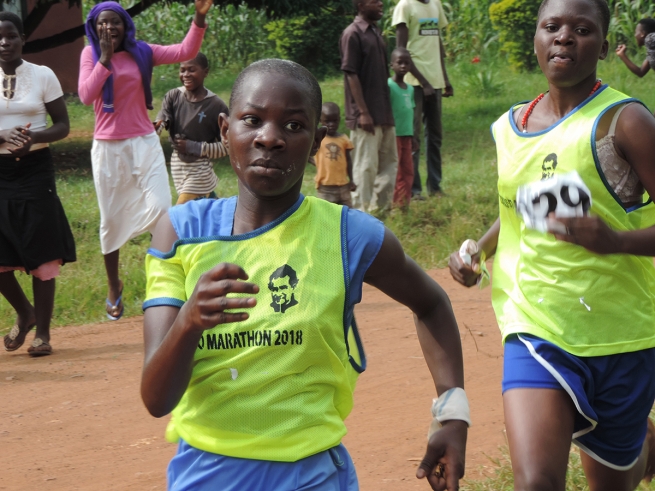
column 516, row 20
column 273, row 8
column 311, row 40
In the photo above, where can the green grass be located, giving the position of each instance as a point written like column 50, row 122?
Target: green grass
column 500, row 477
column 429, row 232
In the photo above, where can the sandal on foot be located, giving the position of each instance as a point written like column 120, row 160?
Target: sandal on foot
column 113, row 307
column 13, row 335
column 39, row 347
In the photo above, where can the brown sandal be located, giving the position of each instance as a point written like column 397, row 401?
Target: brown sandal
column 39, row 347
column 13, row 335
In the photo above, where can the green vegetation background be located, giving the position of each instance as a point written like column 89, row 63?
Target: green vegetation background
column 484, row 90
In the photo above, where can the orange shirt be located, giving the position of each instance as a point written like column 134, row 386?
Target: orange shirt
column 331, row 164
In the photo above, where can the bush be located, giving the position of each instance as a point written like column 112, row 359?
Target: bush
column 469, row 32
column 311, row 40
column 516, row 21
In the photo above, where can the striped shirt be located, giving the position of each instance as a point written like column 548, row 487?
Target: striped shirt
column 197, row 177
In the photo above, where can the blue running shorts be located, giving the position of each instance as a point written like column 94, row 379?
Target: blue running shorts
column 613, row 394
column 193, row 469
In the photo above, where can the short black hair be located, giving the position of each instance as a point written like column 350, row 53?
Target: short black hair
column 292, row 70
column 281, row 272
column 201, row 60
column 356, row 5
column 400, row 51
column 14, row 19
column 648, row 25
column 602, row 8
column 330, row 107
column 550, row 158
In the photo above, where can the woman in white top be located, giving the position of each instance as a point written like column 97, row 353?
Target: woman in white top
column 34, row 234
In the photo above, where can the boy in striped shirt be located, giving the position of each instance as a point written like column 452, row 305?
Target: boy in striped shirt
column 190, row 114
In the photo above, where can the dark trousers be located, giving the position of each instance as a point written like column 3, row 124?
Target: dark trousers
column 429, row 111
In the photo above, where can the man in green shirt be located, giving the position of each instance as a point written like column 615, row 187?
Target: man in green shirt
column 418, row 28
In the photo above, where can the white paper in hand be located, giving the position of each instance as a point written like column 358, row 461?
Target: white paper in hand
column 565, row 195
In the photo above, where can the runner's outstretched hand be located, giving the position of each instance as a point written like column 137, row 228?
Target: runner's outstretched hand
column 592, row 233
column 446, row 450
column 207, row 304
column 462, row 272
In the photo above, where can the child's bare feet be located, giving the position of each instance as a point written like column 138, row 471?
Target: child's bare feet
column 650, row 442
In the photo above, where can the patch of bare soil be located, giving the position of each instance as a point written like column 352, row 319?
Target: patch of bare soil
column 75, row 420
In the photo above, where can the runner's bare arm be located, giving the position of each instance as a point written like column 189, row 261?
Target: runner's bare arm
column 397, row 275
column 639, row 71
column 635, row 142
column 468, row 275
column 171, row 334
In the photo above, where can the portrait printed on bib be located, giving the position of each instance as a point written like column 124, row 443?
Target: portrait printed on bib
column 282, row 284
column 548, row 166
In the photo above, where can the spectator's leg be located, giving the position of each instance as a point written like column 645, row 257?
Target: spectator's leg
column 365, row 166
column 416, row 154
column 405, row 177
column 433, row 138
column 387, row 168
column 345, row 196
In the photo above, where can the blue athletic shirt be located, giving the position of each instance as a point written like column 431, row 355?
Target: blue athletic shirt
column 210, row 218
column 215, row 217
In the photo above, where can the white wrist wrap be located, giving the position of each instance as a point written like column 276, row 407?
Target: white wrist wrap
column 452, row 404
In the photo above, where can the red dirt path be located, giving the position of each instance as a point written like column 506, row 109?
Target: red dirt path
column 75, row 421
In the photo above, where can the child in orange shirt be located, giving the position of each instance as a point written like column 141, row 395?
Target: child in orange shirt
column 334, row 176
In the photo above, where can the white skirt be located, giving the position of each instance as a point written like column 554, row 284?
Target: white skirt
column 132, row 187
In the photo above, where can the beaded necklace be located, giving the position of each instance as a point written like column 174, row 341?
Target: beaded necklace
column 528, row 111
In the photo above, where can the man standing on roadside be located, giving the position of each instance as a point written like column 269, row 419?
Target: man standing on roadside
column 418, row 28
column 368, row 108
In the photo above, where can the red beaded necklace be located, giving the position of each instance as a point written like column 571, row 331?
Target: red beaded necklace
column 528, row 111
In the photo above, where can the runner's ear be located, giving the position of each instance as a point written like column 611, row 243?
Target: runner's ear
column 224, row 126
column 321, row 131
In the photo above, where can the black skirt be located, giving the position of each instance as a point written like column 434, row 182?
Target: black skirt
column 33, row 226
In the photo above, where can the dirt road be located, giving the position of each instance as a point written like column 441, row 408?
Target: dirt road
column 75, row 421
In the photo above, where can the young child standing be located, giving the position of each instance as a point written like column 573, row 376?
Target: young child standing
column 572, row 371
column 402, row 104
column 259, row 398
column 190, row 114
column 334, row 167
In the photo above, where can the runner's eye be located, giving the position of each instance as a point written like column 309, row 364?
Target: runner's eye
column 552, row 28
column 293, row 126
column 250, row 120
column 582, row 30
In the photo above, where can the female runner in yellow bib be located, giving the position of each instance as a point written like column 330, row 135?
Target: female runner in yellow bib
column 259, row 398
column 576, row 309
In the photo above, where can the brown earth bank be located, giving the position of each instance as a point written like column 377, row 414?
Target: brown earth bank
column 75, row 420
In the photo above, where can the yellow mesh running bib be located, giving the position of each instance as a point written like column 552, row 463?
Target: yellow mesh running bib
column 279, row 385
column 586, row 303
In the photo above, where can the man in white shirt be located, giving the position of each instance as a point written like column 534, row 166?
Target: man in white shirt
column 418, row 28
